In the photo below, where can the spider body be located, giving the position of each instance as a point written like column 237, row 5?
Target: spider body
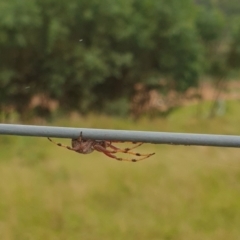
column 86, row 146
column 83, row 146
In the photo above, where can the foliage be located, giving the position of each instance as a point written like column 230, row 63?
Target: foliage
column 234, row 53
column 230, row 7
column 89, row 54
column 210, row 25
column 124, row 42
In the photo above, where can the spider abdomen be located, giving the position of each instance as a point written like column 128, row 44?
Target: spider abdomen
column 84, row 147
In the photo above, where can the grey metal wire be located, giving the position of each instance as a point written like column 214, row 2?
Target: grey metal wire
column 122, row 135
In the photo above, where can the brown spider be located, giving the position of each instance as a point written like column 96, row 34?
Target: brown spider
column 84, row 146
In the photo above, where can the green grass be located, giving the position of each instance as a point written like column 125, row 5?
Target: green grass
column 182, row 192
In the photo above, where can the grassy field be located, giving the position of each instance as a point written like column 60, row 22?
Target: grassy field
column 182, row 192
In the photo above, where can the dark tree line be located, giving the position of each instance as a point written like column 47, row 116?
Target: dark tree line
column 89, row 54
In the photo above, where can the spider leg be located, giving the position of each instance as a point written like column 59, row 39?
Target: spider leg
column 125, row 150
column 61, row 145
column 137, row 144
column 109, row 153
column 126, row 159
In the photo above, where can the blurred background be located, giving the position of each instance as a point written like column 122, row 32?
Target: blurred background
column 122, row 64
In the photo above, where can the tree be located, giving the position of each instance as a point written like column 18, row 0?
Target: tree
column 124, row 42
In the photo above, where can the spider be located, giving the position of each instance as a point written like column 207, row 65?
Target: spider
column 86, row 146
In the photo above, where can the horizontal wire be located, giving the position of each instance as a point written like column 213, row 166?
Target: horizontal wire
column 122, row 135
